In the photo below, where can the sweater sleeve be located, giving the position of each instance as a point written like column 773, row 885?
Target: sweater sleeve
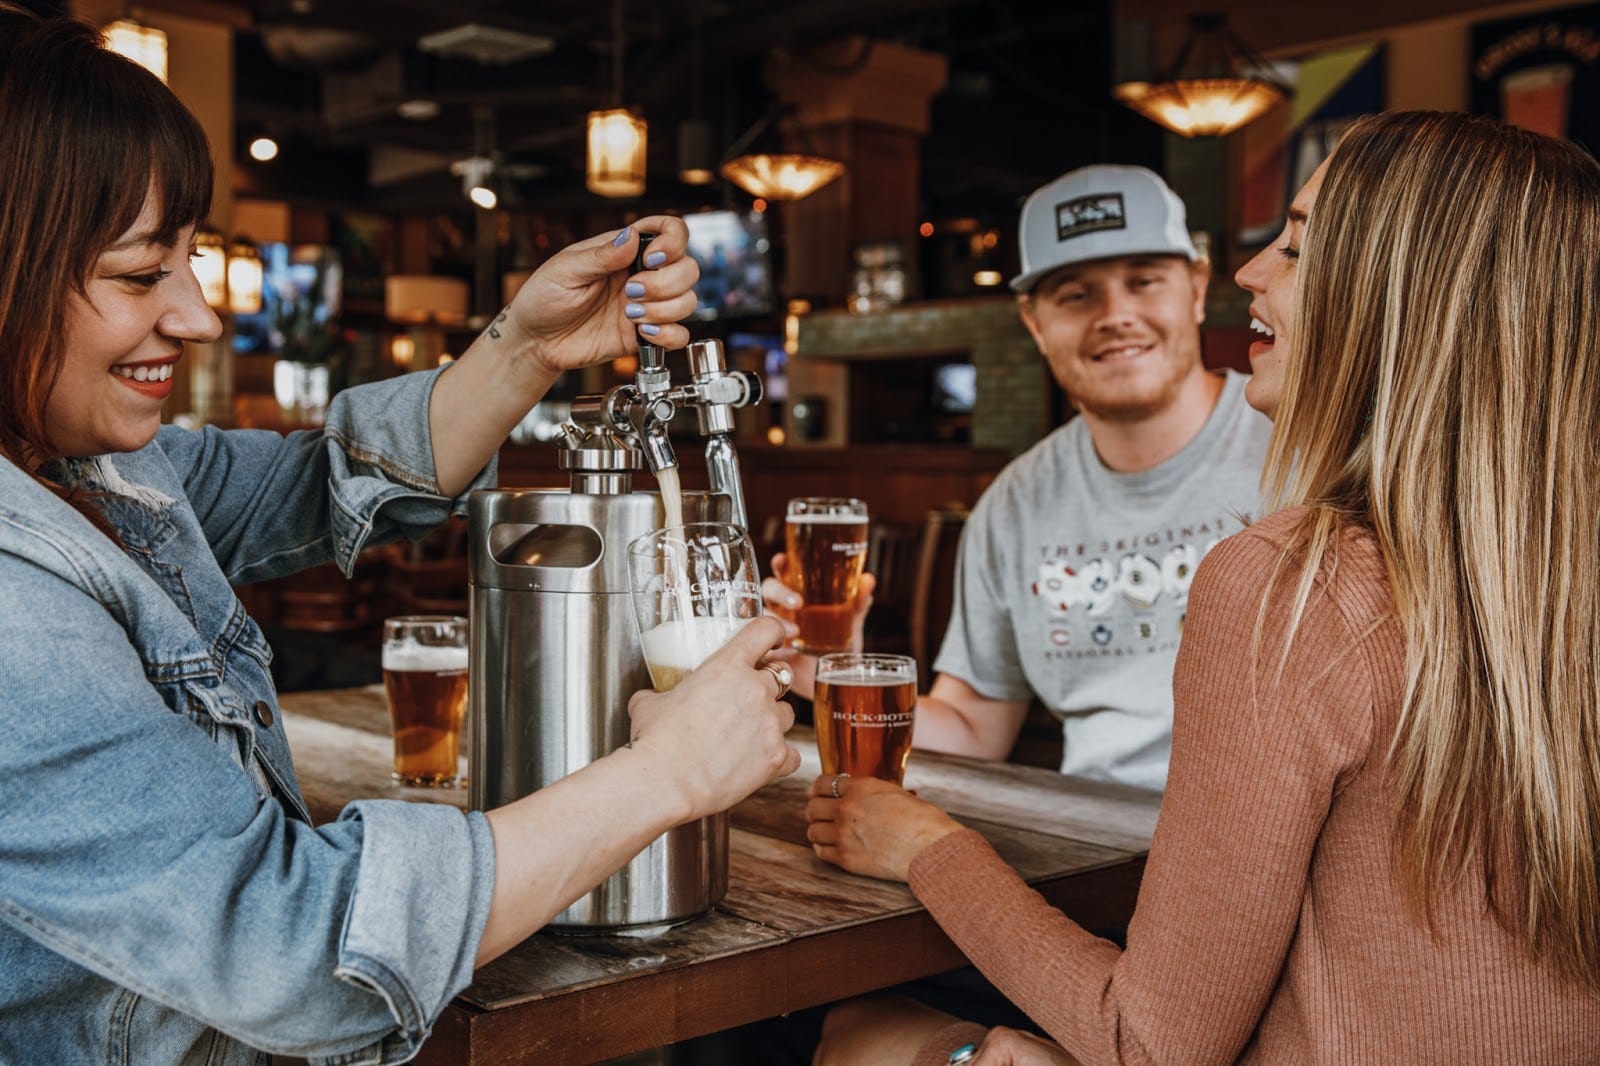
column 1251, row 782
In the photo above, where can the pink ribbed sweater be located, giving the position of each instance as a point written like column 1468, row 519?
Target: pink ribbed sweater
column 1270, row 926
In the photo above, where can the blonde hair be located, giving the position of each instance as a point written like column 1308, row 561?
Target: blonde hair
column 1442, row 390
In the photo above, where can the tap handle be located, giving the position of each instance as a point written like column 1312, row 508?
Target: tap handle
column 638, row 258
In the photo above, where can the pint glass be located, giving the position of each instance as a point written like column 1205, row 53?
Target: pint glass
column 425, row 679
column 864, row 710
column 826, row 539
column 693, row 587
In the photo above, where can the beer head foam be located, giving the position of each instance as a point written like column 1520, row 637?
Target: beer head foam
column 685, row 643
column 828, row 519
column 407, row 656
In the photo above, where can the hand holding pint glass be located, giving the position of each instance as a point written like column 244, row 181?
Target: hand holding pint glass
column 826, row 542
column 425, row 680
column 693, row 588
column 864, row 711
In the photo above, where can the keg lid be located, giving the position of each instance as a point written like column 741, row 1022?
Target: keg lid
column 601, row 450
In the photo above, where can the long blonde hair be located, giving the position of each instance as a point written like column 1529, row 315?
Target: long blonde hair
column 1444, row 390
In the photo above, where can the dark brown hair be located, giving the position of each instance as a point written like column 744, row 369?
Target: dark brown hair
column 85, row 136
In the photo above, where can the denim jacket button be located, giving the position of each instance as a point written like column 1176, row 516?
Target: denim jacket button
column 264, row 713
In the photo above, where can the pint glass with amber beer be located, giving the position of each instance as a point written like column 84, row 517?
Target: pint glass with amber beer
column 425, row 680
column 865, row 707
column 826, row 540
column 693, row 587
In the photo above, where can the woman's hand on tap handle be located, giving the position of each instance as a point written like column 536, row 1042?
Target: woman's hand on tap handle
column 586, row 304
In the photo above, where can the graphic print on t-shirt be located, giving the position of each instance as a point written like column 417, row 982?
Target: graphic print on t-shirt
column 1125, row 596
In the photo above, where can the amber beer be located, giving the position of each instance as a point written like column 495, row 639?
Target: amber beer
column 864, row 711
column 826, row 540
column 425, row 680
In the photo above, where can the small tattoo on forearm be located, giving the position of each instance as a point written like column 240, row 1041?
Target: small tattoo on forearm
column 494, row 327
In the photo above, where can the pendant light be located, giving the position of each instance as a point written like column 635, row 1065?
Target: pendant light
column 211, row 267
column 1215, row 85
column 780, row 175
column 617, row 138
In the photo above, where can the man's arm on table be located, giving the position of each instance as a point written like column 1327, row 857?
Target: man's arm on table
column 956, row 718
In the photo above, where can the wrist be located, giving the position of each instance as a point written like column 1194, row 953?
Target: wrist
column 673, row 794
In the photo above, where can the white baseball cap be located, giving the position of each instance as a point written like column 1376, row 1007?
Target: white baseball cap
column 1099, row 212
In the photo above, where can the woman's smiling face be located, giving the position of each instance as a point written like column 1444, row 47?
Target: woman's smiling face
column 1270, row 279
column 124, row 336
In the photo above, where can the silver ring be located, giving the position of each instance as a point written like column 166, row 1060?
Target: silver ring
column 783, row 674
column 836, row 779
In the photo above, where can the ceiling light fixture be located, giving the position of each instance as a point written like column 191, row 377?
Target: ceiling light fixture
column 781, row 175
column 617, row 138
column 145, row 45
column 263, row 149
column 1215, row 85
column 476, row 174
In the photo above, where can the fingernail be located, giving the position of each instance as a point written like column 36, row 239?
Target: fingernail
column 622, row 238
column 634, row 310
column 649, row 329
column 635, row 289
column 654, row 259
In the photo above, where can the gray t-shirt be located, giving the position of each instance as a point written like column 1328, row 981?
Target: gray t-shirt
column 1073, row 580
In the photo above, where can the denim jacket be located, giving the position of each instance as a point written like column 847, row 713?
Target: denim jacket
column 164, row 897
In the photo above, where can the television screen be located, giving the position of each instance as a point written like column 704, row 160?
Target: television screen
column 735, row 268
column 300, row 290
column 955, row 388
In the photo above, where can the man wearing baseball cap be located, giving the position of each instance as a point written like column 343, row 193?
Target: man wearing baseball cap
column 1074, row 569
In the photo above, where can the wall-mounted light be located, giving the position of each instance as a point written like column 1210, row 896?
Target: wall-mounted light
column 145, row 45
column 244, row 277
column 210, row 264
column 1215, row 85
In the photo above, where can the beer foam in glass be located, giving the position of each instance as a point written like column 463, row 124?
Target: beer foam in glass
column 865, row 709
column 693, row 588
column 425, row 680
column 826, row 541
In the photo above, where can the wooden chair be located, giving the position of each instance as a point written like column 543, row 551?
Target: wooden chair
column 323, row 600
column 892, row 560
column 429, row 576
column 933, row 591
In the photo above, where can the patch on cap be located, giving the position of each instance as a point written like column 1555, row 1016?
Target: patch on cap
column 1088, row 214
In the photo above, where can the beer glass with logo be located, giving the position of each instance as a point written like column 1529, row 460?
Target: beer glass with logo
column 865, row 707
column 425, row 680
column 826, row 540
column 693, row 587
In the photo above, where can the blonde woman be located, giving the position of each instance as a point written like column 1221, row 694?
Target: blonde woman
column 1380, row 831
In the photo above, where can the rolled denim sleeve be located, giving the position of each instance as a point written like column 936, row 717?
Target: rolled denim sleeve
column 416, row 869
column 315, row 496
column 380, row 455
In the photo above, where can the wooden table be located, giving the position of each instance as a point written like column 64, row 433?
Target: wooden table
column 792, row 932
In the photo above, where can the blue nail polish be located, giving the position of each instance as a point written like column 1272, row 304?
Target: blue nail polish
column 649, row 329
column 634, row 310
column 634, row 289
column 622, row 238
column 655, row 259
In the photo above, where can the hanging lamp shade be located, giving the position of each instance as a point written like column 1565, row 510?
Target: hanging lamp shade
column 145, row 45
column 1216, row 85
column 210, row 265
column 616, row 160
column 784, row 177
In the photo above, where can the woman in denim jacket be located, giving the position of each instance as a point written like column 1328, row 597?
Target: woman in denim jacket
column 164, row 896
